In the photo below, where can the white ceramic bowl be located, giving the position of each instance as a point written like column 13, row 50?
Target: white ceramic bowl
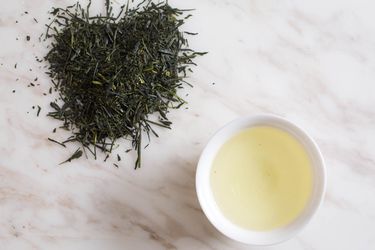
column 206, row 198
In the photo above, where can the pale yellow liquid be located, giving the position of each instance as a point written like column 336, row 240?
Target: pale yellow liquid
column 261, row 178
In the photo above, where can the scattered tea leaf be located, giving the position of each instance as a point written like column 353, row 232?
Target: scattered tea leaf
column 39, row 109
column 77, row 154
column 106, row 157
column 61, row 144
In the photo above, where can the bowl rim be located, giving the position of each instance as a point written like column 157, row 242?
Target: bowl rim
column 211, row 210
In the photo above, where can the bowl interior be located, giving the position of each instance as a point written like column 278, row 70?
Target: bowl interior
column 206, row 198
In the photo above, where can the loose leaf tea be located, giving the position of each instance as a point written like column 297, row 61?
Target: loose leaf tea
column 112, row 72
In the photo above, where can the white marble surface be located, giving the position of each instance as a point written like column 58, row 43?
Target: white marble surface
column 310, row 61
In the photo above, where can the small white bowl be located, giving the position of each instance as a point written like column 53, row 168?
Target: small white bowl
column 207, row 200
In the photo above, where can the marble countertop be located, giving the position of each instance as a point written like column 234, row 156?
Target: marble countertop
column 312, row 62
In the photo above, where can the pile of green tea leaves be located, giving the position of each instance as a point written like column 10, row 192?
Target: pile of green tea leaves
column 113, row 71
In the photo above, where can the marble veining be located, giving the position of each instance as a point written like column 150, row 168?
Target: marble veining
column 312, row 62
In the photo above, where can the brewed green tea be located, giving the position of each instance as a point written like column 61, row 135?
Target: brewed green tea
column 261, row 178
